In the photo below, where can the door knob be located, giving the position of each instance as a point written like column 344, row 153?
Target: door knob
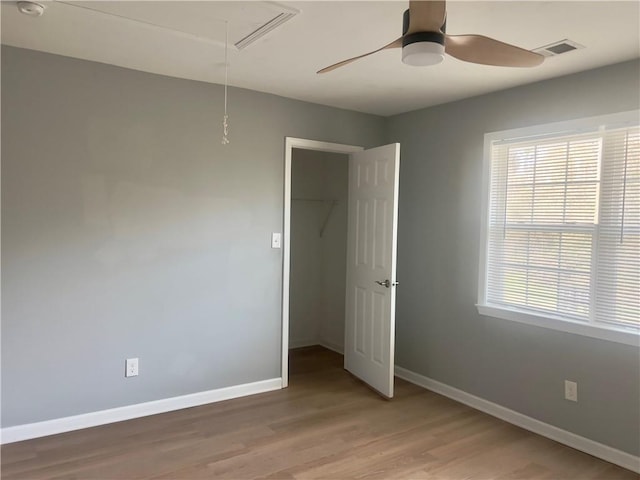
column 387, row 283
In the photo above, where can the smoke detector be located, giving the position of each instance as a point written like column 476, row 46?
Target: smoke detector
column 30, row 8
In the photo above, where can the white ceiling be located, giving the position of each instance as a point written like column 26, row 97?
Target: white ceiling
column 186, row 40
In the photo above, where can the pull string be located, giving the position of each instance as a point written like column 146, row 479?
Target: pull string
column 624, row 185
column 225, row 119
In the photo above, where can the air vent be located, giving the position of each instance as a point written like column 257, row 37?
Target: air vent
column 266, row 28
column 558, row 48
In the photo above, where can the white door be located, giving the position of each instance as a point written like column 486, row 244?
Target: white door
column 371, row 266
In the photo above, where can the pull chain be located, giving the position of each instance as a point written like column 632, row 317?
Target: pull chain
column 624, row 186
column 225, row 119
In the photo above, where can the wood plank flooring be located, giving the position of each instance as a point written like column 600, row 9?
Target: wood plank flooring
column 326, row 425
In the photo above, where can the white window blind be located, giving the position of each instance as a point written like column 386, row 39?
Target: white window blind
column 563, row 227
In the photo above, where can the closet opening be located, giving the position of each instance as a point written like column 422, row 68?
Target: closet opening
column 318, row 259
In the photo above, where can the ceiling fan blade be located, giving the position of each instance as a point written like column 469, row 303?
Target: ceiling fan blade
column 426, row 16
column 487, row 51
column 395, row 44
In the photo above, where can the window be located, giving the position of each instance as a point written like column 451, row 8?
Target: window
column 561, row 239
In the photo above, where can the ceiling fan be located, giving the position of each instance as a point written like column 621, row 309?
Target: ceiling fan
column 424, row 41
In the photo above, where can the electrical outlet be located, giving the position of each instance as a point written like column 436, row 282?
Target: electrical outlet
column 571, row 390
column 131, row 367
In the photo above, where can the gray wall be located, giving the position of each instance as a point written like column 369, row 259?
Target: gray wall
column 305, row 300
column 334, row 254
column 128, row 230
column 318, row 264
column 439, row 332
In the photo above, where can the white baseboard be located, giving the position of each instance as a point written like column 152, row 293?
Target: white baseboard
column 583, row 444
column 309, row 342
column 93, row 419
column 332, row 346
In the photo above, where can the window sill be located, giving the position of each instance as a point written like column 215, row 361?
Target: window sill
column 627, row 336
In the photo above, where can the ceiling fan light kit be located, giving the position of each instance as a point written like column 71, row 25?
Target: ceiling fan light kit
column 423, row 48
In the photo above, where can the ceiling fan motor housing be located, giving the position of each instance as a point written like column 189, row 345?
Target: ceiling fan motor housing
column 421, row 48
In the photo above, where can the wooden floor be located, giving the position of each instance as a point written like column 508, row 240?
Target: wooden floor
column 325, row 425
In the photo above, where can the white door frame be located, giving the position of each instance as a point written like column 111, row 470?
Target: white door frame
column 290, row 144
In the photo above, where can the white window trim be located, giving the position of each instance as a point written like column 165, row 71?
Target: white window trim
column 614, row 333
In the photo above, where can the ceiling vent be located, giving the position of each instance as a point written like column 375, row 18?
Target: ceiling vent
column 558, row 48
column 260, row 32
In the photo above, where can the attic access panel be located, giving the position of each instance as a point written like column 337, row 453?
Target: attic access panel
column 248, row 21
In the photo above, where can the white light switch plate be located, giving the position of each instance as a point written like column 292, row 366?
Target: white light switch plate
column 275, row 240
column 571, row 390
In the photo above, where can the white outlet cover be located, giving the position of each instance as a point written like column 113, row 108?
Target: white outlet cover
column 131, row 367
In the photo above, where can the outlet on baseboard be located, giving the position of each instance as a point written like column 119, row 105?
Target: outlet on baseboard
column 131, row 367
column 571, row 390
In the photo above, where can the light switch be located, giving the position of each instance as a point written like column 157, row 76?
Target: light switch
column 275, row 240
